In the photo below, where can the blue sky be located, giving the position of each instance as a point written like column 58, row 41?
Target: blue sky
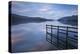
column 44, row 10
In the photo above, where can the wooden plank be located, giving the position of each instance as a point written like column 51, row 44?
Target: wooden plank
column 72, row 31
column 62, row 29
column 62, row 32
column 72, row 38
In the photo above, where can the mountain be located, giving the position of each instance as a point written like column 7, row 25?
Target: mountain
column 70, row 20
column 17, row 19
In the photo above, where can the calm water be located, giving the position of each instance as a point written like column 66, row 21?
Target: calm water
column 31, row 37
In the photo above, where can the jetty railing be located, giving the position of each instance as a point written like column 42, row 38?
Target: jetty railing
column 64, row 37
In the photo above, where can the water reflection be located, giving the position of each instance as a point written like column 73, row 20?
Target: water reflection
column 31, row 37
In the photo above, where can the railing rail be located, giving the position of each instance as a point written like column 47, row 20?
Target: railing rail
column 67, row 38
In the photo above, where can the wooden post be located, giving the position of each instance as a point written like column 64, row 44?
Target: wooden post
column 51, row 34
column 57, row 36
column 66, row 37
column 46, row 32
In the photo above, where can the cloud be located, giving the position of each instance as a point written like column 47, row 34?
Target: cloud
column 24, row 10
column 43, row 10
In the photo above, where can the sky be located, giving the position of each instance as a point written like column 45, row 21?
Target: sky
column 44, row 10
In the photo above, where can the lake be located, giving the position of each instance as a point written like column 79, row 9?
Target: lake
column 31, row 36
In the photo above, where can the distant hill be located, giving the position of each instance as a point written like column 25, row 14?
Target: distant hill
column 70, row 20
column 17, row 19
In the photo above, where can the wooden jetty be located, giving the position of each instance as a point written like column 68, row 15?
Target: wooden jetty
column 63, row 37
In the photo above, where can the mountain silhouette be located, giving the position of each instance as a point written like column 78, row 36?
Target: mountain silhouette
column 17, row 19
column 70, row 20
